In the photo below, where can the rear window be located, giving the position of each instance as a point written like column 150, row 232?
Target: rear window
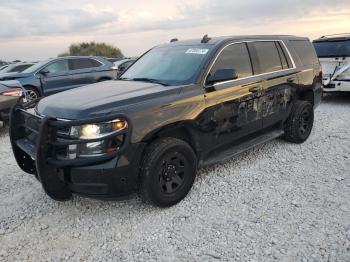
column 333, row 48
column 268, row 57
column 306, row 52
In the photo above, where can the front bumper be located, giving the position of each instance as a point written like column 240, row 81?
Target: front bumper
column 37, row 144
column 337, row 86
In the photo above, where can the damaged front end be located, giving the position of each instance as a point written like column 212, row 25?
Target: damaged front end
column 47, row 146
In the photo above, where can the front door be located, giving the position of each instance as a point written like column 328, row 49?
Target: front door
column 55, row 77
column 232, row 107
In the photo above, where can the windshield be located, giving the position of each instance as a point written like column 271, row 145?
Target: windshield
column 333, row 48
column 35, row 67
column 171, row 65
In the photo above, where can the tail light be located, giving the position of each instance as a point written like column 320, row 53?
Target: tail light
column 12, row 92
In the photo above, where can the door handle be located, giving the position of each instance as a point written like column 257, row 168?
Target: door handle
column 291, row 80
column 255, row 89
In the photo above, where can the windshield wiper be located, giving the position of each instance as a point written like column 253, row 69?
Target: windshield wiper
column 150, row 80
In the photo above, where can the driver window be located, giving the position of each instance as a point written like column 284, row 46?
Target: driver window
column 235, row 57
column 58, row 67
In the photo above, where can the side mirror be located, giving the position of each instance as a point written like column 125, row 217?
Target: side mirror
column 222, row 75
column 44, row 72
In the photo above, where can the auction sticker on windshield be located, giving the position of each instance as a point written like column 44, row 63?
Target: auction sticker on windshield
column 197, row 51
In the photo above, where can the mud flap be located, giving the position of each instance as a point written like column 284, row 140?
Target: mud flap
column 49, row 176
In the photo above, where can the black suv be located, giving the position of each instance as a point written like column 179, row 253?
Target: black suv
column 181, row 106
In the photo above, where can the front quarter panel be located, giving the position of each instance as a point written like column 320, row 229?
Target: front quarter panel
column 154, row 114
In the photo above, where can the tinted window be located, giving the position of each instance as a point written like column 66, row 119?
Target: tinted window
column 235, row 57
column 333, row 48
column 95, row 63
column 283, row 56
column 305, row 51
column 58, row 67
column 125, row 65
column 267, row 56
column 83, row 63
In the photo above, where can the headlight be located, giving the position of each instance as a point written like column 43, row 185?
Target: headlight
column 96, row 131
column 103, row 132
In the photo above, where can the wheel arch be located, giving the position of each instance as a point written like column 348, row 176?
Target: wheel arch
column 183, row 130
column 306, row 95
column 34, row 87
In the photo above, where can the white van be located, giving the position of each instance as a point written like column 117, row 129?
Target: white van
column 334, row 54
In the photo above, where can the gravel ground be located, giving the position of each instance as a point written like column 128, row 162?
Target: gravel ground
column 280, row 201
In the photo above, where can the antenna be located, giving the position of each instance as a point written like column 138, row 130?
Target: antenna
column 174, row 40
column 205, row 39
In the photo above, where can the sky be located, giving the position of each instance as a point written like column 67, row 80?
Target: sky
column 39, row 29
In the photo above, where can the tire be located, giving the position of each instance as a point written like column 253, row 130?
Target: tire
column 32, row 93
column 168, row 172
column 299, row 125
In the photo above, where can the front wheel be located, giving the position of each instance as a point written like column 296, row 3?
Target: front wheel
column 299, row 124
column 32, row 93
column 168, row 172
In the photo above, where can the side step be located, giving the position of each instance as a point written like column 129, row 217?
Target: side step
column 222, row 156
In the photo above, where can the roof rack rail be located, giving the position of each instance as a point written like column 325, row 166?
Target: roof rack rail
column 344, row 34
column 174, row 40
column 205, row 39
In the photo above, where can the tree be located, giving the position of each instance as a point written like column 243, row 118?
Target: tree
column 93, row 49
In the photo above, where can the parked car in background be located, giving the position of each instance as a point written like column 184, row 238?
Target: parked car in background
column 113, row 59
column 180, row 106
column 123, row 65
column 16, row 68
column 3, row 67
column 334, row 54
column 60, row 74
column 10, row 93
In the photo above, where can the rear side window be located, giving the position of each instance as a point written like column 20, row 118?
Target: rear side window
column 83, row 63
column 267, row 56
column 306, row 52
column 235, row 57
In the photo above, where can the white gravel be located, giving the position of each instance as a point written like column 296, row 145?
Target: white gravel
column 280, row 201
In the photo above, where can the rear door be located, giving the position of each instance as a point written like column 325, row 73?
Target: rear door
column 272, row 61
column 232, row 106
column 83, row 71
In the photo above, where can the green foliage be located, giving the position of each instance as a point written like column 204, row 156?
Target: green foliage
column 93, row 49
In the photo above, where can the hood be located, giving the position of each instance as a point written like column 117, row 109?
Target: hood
column 12, row 76
column 101, row 98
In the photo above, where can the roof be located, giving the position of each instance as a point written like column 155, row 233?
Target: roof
column 220, row 40
column 335, row 37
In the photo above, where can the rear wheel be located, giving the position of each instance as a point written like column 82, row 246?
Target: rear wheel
column 299, row 125
column 168, row 172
